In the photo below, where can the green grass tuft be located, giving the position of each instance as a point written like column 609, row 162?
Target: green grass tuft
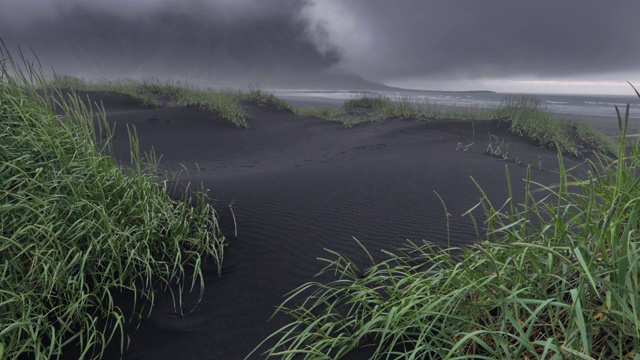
column 76, row 230
column 532, row 121
column 552, row 279
column 526, row 116
column 373, row 107
column 154, row 93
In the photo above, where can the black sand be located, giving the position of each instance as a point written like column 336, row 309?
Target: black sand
column 299, row 185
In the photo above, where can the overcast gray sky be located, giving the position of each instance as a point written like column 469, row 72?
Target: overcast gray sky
column 558, row 46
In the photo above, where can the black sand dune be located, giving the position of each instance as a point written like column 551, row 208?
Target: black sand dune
column 299, row 185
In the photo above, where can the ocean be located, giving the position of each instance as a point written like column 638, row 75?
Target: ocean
column 564, row 104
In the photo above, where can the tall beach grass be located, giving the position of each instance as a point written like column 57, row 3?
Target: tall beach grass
column 77, row 231
column 529, row 119
column 374, row 107
column 152, row 92
column 554, row 277
column 525, row 115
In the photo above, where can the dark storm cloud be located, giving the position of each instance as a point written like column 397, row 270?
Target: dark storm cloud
column 227, row 42
column 279, row 42
column 488, row 38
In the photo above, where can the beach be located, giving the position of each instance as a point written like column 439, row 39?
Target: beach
column 319, row 179
column 291, row 186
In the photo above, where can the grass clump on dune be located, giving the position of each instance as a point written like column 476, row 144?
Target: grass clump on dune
column 155, row 93
column 75, row 229
column 556, row 277
column 526, row 116
column 530, row 120
column 373, row 107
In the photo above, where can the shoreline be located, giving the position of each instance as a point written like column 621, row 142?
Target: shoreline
column 607, row 124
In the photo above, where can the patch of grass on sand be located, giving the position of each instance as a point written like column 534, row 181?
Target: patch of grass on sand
column 76, row 230
column 373, row 107
column 554, row 278
column 532, row 121
column 527, row 118
column 155, row 93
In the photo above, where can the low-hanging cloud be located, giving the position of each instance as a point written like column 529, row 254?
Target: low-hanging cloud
column 223, row 41
column 281, row 42
column 487, row 38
